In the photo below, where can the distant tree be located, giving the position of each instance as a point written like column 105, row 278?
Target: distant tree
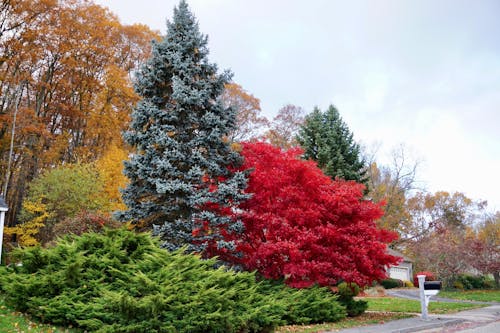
column 285, row 126
column 249, row 123
column 326, row 139
column 303, row 227
column 180, row 178
column 394, row 184
column 484, row 247
column 443, row 252
column 441, row 210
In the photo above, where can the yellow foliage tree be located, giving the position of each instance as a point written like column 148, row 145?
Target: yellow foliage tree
column 110, row 169
column 26, row 232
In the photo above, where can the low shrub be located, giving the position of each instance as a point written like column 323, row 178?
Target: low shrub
column 347, row 292
column 458, row 285
column 489, row 284
column 83, row 222
column 475, row 281
column 429, row 276
column 120, row 281
column 392, row 283
column 408, row 284
column 308, row 305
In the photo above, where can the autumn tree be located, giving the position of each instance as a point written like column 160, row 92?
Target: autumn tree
column 55, row 195
column 285, row 126
column 326, row 139
column 250, row 124
column 65, row 91
column 442, row 238
column 483, row 247
column 305, row 228
column 442, row 252
column 393, row 184
column 180, row 168
column 110, row 170
column 441, row 210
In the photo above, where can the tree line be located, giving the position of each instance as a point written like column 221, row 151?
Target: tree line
column 66, row 90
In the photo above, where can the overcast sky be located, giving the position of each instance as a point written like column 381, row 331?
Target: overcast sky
column 422, row 73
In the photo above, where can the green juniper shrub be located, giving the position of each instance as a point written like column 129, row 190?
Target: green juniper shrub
column 306, row 306
column 121, row 281
column 392, row 283
column 347, row 292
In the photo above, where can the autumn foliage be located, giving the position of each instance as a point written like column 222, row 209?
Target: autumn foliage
column 303, row 227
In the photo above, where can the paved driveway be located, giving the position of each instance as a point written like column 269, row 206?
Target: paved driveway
column 415, row 294
column 483, row 320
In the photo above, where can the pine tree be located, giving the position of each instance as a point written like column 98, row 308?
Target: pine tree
column 327, row 140
column 181, row 183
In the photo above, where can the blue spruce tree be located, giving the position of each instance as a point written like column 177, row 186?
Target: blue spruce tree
column 180, row 173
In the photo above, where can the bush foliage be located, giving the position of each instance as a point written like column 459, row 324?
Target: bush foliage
column 347, row 292
column 429, row 276
column 120, row 281
column 467, row 281
column 392, row 283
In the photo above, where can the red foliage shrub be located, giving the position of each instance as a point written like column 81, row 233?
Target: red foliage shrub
column 303, row 227
column 429, row 276
column 83, row 222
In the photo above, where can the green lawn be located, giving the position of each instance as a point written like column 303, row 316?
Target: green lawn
column 369, row 318
column 473, row 295
column 381, row 309
column 393, row 304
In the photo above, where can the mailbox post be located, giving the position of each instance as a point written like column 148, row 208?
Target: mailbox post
column 3, row 209
column 427, row 290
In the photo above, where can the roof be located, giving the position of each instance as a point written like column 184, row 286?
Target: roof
column 3, row 205
column 395, row 253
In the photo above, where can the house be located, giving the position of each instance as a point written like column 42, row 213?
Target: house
column 404, row 270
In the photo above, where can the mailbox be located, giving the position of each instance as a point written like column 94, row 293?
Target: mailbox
column 432, row 285
column 432, row 288
column 427, row 290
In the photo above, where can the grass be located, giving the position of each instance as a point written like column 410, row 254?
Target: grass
column 392, row 304
column 16, row 322
column 473, row 295
column 368, row 318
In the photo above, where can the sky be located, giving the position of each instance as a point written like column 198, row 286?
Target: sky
column 420, row 73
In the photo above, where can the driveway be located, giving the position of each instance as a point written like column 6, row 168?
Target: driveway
column 415, row 295
column 483, row 320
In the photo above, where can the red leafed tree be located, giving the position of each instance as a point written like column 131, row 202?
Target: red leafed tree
column 303, row 227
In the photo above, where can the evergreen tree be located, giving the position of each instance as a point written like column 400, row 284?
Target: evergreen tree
column 327, row 140
column 181, row 183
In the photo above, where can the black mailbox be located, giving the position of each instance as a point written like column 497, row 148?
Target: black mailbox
column 432, row 285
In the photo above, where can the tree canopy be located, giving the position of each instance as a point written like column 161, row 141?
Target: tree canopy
column 303, row 227
column 326, row 139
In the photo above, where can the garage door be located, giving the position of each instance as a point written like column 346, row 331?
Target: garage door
column 399, row 273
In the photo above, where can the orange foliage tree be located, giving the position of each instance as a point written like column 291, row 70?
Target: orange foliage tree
column 65, row 88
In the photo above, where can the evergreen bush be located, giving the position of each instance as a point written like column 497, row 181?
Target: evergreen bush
column 305, row 306
column 120, row 281
column 392, row 283
column 347, row 292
